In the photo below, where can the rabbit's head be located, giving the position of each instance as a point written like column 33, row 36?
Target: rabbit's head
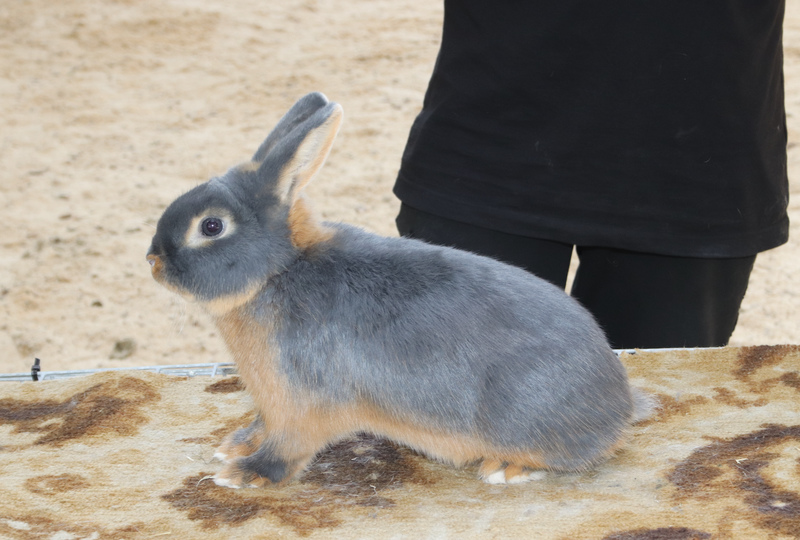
column 220, row 242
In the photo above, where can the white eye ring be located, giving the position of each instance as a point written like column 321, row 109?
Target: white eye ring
column 208, row 227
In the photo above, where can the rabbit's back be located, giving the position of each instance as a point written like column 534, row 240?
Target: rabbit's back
column 449, row 339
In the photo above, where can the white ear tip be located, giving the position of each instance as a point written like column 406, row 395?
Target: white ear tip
column 336, row 116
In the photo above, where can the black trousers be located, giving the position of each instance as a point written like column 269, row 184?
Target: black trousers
column 641, row 300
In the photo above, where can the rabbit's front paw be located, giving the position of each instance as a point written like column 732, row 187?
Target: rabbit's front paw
column 234, row 476
column 256, row 470
column 242, row 442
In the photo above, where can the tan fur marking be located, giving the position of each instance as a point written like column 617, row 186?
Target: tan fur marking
column 224, row 304
column 255, row 356
column 306, row 231
column 156, row 266
column 489, row 466
column 456, row 448
column 512, row 471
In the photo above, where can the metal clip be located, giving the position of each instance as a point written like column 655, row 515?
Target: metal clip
column 35, row 370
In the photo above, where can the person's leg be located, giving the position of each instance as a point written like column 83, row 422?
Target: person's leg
column 655, row 301
column 546, row 259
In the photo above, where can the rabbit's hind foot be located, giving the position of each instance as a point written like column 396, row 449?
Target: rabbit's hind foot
column 494, row 471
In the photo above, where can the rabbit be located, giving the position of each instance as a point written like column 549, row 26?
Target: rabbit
column 337, row 331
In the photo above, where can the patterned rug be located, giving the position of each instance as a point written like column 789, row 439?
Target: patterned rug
column 128, row 455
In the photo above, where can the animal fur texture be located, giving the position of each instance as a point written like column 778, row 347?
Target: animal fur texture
column 337, row 331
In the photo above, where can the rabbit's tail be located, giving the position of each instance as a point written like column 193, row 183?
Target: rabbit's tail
column 644, row 405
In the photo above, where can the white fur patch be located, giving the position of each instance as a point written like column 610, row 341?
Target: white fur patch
column 537, row 475
column 522, row 478
column 497, row 477
column 519, row 479
column 224, row 482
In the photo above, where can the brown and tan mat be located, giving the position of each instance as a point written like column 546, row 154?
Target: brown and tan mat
column 128, row 455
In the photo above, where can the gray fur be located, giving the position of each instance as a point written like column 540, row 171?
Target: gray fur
column 432, row 335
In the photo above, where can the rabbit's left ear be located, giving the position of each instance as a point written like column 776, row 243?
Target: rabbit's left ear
column 301, row 111
column 299, row 156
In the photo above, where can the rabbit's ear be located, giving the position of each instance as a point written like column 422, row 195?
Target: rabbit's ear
column 301, row 153
column 300, row 112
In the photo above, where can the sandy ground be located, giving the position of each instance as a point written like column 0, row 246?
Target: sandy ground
column 109, row 110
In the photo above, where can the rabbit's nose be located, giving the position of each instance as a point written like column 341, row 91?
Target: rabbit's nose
column 155, row 263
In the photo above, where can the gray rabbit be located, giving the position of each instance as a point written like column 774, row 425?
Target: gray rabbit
column 337, row 331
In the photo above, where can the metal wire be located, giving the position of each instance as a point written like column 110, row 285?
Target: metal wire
column 185, row 370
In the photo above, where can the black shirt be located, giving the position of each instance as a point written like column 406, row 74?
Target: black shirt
column 655, row 126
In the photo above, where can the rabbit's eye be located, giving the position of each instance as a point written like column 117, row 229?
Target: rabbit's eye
column 211, row 226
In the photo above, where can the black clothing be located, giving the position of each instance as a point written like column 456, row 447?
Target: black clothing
column 656, row 127
column 661, row 301
column 639, row 299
